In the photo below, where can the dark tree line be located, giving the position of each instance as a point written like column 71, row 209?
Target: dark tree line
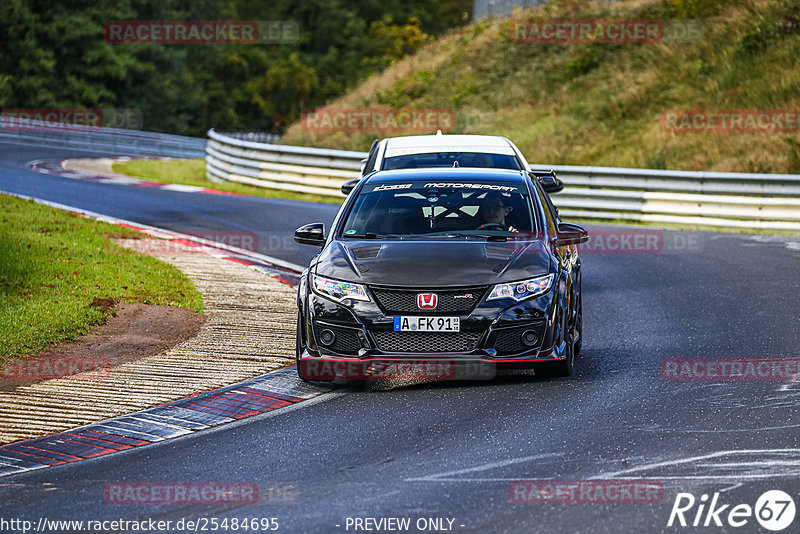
column 53, row 55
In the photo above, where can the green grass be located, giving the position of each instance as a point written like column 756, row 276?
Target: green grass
column 193, row 172
column 599, row 103
column 54, row 263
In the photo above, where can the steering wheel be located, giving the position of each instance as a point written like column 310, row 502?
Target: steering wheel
column 493, row 225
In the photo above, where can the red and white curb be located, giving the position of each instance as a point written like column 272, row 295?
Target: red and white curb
column 251, row 397
column 55, row 167
column 275, row 390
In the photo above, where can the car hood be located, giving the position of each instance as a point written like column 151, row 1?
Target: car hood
column 433, row 263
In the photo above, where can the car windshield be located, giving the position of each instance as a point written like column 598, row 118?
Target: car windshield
column 435, row 208
column 447, row 159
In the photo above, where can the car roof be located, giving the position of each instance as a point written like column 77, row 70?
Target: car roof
column 421, row 144
column 447, row 173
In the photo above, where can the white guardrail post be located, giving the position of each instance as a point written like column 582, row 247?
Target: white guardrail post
column 722, row 199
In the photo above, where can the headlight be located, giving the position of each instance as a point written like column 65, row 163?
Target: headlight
column 522, row 289
column 339, row 291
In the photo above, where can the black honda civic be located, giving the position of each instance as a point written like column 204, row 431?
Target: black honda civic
column 444, row 266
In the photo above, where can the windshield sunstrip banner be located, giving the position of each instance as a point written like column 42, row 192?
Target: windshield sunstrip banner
column 504, row 187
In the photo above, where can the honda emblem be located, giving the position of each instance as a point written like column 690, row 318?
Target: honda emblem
column 427, row 301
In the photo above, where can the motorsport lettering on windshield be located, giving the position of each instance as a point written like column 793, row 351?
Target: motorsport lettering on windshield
column 373, row 188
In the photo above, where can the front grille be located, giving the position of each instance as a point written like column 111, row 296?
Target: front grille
column 509, row 340
column 346, row 341
column 456, row 301
column 428, row 342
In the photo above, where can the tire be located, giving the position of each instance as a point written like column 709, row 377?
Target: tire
column 579, row 324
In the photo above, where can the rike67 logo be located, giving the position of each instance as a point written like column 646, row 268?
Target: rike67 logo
column 774, row 510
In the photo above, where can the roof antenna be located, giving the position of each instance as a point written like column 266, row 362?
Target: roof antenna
column 455, row 164
column 438, row 132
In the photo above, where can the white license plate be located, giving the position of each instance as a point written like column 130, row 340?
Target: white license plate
column 426, row 324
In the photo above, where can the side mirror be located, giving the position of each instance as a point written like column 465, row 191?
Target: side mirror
column 550, row 182
column 570, row 234
column 310, row 234
column 363, row 164
column 348, row 186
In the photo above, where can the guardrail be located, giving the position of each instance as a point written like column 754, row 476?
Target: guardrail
column 720, row 199
column 292, row 168
column 117, row 140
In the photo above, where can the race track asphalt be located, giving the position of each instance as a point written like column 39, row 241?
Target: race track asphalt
column 452, row 450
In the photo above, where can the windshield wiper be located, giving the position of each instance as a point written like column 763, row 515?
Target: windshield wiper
column 489, row 237
column 367, row 235
column 441, row 234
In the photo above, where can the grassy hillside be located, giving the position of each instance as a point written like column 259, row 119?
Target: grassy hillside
column 596, row 103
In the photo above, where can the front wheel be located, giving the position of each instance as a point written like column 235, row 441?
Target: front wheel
column 579, row 324
column 559, row 369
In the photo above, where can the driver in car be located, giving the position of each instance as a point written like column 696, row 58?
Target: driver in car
column 493, row 212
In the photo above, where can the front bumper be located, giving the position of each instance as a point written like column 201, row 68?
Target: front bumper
column 491, row 333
